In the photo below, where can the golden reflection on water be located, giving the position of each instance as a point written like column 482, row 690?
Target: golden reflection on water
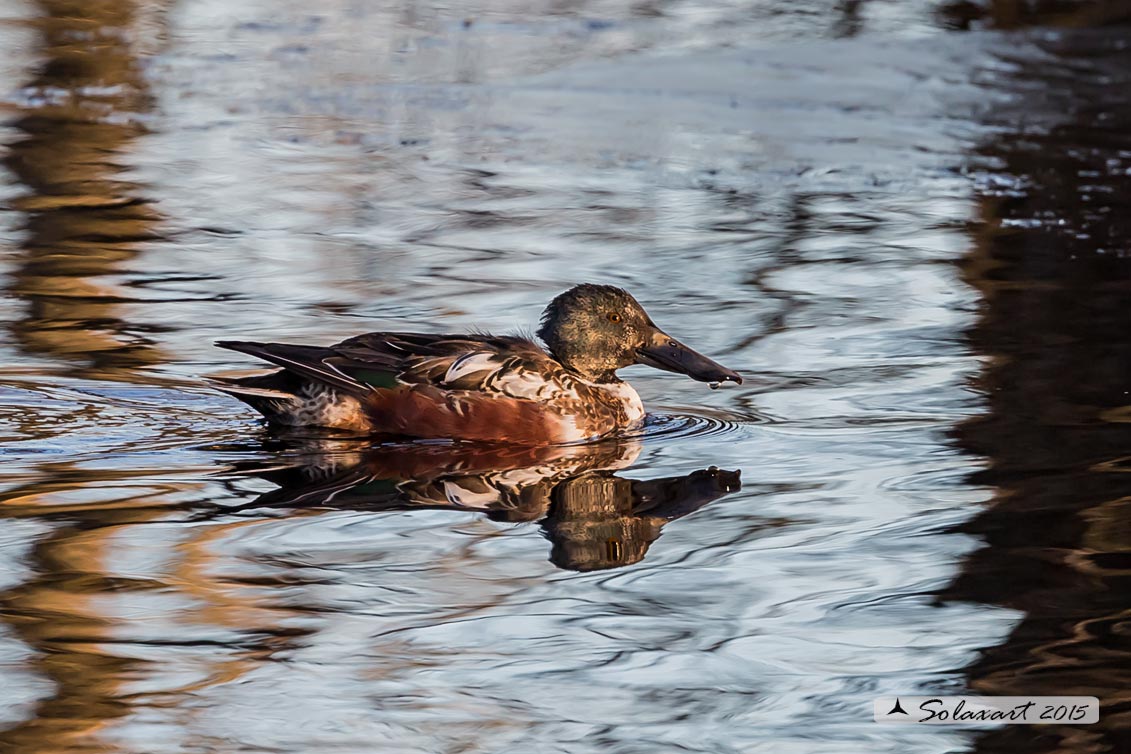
column 71, row 610
column 84, row 220
column 75, row 609
column 78, row 114
column 60, row 615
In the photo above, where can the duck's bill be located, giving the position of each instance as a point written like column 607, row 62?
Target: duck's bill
column 669, row 354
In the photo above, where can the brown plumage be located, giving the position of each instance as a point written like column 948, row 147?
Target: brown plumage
column 476, row 387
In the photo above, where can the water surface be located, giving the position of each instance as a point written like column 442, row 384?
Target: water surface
column 911, row 241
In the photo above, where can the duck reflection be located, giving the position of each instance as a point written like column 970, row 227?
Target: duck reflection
column 594, row 518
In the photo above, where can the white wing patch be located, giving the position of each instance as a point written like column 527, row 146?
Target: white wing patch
column 471, row 363
column 490, row 372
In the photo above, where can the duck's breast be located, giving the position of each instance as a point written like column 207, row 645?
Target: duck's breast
column 629, row 401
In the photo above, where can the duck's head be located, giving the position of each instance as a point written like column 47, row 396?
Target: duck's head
column 595, row 330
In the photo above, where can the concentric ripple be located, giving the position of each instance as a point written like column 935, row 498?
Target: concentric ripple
column 684, row 425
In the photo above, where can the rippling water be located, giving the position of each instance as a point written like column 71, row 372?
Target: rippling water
column 911, row 241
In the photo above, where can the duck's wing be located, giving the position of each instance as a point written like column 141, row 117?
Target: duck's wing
column 509, row 365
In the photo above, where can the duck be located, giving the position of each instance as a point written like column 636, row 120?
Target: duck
column 476, row 387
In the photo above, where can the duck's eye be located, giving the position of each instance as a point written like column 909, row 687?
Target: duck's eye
column 613, row 317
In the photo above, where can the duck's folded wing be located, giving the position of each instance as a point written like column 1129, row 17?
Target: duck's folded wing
column 512, row 366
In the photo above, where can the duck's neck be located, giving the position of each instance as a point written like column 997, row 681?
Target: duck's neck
column 606, row 378
column 593, row 375
column 583, row 364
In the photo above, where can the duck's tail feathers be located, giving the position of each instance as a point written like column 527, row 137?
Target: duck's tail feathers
column 304, row 361
column 236, row 389
column 270, row 394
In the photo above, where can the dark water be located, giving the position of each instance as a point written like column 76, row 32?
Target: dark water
column 912, row 240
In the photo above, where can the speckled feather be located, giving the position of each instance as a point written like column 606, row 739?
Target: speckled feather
column 474, row 387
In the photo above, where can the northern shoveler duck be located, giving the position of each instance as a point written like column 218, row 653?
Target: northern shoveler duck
column 477, row 387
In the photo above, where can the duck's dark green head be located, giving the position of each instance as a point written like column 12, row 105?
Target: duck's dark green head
column 595, row 330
